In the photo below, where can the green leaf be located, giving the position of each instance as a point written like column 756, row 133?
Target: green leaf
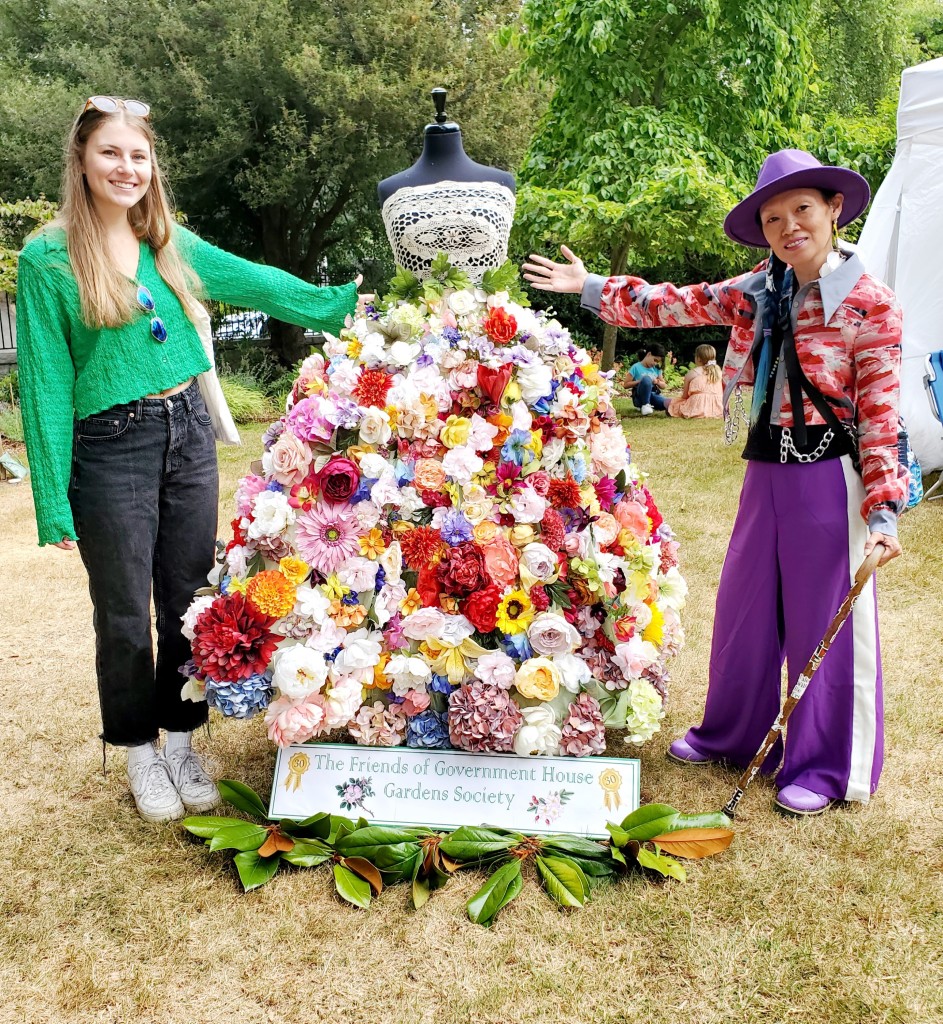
column 501, row 279
column 564, row 880
column 667, row 866
column 207, row 827
column 352, row 887
column 244, row 836
column 467, row 844
column 576, row 845
column 715, row 819
column 496, row 893
column 619, row 835
column 241, row 796
column 420, row 893
column 648, row 821
column 440, row 264
column 307, row 855
column 318, row 826
column 255, row 870
column 392, row 850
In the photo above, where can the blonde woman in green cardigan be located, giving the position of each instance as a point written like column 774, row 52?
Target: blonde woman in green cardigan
column 121, row 445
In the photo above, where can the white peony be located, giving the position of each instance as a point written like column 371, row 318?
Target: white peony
column 298, row 671
column 311, row 603
column 375, row 427
column 574, row 672
column 408, row 672
column 272, row 514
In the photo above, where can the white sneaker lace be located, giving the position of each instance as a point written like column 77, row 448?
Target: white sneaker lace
column 189, row 768
column 153, row 781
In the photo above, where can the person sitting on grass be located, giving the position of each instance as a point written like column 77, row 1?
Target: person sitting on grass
column 703, row 390
column 645, row 380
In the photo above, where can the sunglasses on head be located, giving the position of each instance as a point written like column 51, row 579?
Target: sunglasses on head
column 111, row 104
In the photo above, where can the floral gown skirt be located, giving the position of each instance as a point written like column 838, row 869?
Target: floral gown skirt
column 446, row 544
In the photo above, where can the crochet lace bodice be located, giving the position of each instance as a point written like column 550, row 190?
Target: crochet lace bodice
column 469, row 221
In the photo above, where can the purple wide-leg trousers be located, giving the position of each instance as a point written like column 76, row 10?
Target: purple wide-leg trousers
column 797, row 542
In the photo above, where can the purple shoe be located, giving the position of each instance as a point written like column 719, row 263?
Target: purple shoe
column 682, row 752
column 801, row 802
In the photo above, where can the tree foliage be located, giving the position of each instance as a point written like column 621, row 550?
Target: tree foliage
column 278, row 117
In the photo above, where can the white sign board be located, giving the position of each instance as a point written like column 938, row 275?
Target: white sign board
column 449, row 788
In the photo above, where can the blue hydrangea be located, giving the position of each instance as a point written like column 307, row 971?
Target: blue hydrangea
column 428, row 729
column 451, row 334
column 241, row 699
column 441, row 684
column 517, row 646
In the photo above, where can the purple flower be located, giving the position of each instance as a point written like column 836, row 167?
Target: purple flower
column 425, row 360
column 272, row 434
column 455, row 528
column 451, row 334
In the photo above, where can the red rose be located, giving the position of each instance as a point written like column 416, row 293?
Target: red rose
column 427, row 586
column 339, row 480
column 499, row 325
column 481, row 608
column 462, row 570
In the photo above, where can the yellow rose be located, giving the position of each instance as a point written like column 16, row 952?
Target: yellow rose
column 486, row 531
column 455, row 432
column 522, row 535
column 538, row 678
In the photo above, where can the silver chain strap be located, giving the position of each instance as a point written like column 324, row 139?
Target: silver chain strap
column 735, row 418
column 787, row 447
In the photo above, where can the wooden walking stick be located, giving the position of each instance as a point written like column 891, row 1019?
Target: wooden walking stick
column 864, row 573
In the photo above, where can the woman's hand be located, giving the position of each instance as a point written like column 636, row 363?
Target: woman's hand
column 548, row 276
column 65, row 544
column 891, row 544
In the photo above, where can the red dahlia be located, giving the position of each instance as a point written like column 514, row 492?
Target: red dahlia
column 232, row 640
column 373, row 387
column 421, row 546
column 565, row 493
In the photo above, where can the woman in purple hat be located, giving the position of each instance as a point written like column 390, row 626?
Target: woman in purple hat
column 819, row 341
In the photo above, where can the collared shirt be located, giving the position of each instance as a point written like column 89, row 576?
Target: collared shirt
column 847, row 330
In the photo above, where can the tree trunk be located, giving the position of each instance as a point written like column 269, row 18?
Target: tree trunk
column 611, row 334
column 288, row 342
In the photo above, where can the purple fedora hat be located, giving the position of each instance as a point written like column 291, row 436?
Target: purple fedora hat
column 788, row 169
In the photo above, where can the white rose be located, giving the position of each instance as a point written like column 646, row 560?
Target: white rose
column 462, row 303
column 574, row 672
column 311, row 603
column 534, row 381
column 539, row 734
column 402, row 353
column 551, row 634
column 540, row 562
column 375, row 427
column 298, row 671
column 358, row 573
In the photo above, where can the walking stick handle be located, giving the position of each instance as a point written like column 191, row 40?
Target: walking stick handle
column 869, row 565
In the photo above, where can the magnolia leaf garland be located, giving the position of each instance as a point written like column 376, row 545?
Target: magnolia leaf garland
column 365, row 858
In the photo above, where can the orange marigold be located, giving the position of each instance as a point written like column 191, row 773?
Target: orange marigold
column 271, row 593
column 422, row 547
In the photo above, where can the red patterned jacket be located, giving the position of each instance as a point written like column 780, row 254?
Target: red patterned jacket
column 847, row 329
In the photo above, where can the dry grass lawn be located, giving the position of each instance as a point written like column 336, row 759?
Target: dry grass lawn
column 107, row 919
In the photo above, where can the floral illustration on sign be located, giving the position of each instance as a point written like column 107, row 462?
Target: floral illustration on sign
column 548, row 808
column 353, row 793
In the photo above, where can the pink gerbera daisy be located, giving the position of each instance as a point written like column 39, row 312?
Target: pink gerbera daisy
column 326, row 536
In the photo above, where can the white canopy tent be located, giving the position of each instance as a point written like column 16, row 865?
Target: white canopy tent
column 901, row 241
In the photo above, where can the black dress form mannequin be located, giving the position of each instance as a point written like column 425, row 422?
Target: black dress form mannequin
column 442, row 159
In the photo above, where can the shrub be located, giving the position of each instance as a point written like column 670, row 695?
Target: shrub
column 247, row 402
column 11, row 423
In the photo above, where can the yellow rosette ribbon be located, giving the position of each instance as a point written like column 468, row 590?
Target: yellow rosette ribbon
column 611, row 782
column 451, row 659
column 298, row 764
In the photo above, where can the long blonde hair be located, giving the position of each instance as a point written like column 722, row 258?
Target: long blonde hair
column 107, row 297
column 705, row 354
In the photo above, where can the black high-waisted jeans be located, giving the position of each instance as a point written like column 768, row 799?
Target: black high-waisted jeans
column 144, row 495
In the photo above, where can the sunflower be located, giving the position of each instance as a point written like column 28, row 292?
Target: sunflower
column 515, row 613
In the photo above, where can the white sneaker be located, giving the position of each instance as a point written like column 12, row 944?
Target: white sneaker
column 647, row 410
column 154, row 793
column 196, row 789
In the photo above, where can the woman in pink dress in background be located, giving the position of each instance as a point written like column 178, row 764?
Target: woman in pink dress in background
column 703, row 390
